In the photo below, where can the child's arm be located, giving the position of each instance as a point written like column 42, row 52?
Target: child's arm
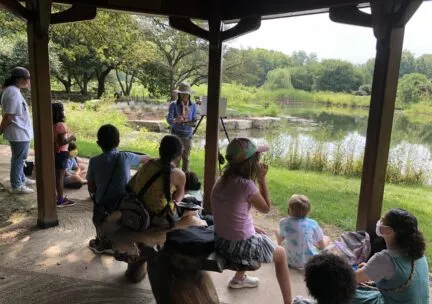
column 279, row 239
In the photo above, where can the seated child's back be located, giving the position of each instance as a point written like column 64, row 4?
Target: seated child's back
column 299, row 235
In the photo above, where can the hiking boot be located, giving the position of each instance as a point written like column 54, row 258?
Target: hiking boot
column 247, row 282
column 65, row 202
column 22, row 190
column 30, row 182
column 101, row 246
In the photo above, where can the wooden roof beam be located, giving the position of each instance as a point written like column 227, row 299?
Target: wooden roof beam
column 17, row 9
column 230, row 10
column 73, row 14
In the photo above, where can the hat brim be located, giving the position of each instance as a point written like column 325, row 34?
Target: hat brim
column 189, row 206
column 184, row 92
column 262, row 148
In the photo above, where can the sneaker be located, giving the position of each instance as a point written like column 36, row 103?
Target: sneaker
column 22, row 190
column 247, row 282
column 65, row 202
column 30, row 182
column 99, row 246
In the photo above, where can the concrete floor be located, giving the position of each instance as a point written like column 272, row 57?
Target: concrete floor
column 55, row 265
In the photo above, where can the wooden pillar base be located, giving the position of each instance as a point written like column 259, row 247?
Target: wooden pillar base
column 44, row 224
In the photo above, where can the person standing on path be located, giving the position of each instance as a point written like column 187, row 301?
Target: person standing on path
column 181, row 115
column 16, row 127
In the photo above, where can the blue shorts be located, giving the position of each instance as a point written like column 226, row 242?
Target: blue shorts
column 61, row 160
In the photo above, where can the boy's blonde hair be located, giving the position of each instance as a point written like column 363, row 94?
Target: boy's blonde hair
column 299, row 205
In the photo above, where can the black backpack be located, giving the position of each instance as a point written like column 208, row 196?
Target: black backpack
column 134, row 213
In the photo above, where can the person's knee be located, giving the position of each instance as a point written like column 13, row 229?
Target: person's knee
column 279, row 255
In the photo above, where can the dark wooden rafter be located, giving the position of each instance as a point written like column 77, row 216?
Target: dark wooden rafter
column 15, row 7
column 73, row 14
column 229, row 10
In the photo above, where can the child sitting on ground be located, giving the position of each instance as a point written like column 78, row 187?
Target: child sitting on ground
column 108, row 175
column 329, row 279
column 75, row 171
column 193, row 186
column 299, row 235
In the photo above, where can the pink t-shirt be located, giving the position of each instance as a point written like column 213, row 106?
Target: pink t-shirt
column 59, row 129
column 230, row 207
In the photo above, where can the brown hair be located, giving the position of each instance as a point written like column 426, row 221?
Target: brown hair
column 249, row 169
column 298, row 205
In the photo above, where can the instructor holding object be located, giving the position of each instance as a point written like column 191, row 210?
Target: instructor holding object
column 182, row 115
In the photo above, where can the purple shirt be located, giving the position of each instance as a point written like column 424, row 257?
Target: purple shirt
column 230, row 207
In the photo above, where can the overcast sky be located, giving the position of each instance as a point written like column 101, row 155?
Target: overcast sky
column 316, row 33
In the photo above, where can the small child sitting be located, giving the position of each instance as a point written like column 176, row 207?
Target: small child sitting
column 75, row 171
column 193, row 186
column 189, row 212
column 329, row 279
column 301, row 236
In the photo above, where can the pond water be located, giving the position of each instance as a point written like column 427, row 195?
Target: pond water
column 333, row 140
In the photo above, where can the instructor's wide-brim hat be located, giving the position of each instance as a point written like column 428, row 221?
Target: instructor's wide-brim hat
column 184, row 88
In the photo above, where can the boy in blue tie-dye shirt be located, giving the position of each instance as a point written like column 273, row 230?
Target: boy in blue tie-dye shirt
column 301, row 236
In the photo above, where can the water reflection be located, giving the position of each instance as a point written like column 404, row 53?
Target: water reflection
column 335, row 143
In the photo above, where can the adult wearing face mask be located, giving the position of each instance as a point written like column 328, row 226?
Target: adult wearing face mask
column 400, row 272
column 182, row 114
column 16, row 127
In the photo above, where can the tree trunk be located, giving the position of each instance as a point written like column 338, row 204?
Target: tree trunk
column 101, row 77
column 67, row 83
column 129, row 84
column 86, row 79
column 120, row 82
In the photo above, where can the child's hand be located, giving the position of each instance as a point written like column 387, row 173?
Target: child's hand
column 260, row 231
column 72, row 137
column 263, row 171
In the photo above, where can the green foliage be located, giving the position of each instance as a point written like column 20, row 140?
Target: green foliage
column 337, row 76
column 414, row 88
column 424, row 65
column 303, row 78
column 408, row 63
column 278, row 79
column 250, row 67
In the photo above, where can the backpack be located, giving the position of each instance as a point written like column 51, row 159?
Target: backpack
column 135, row 215
column 193, row 241
column 355, row 247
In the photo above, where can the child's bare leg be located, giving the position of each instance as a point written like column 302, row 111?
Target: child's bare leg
column 239, row 275
column 59, row 183
column 278, row 237
column 327, row 240
column 76, row 179
column 282, row 273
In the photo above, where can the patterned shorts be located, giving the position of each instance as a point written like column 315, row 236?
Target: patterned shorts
column 257, row 248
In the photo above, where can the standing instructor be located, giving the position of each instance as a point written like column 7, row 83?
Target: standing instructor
column 16, row 127
column 181, row 117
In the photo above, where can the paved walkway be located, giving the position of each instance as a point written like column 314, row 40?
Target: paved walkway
column 55, row 265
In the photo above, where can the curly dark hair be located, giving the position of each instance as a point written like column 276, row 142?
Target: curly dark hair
column 249, row 169
column 330, row 279
column 58, row 113
column 407, row 235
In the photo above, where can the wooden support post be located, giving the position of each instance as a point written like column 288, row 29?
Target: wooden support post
column 382, row 105
column 212, row 127
column 42, row 117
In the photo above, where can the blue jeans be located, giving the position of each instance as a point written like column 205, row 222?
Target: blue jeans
column 19, row 155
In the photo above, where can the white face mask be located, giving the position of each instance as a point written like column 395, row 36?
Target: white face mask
column 378, row 228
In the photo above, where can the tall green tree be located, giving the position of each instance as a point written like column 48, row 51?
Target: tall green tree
column 304, row 77
column 278, row 79
column 424, row 65
column 408, row 63
column 414, row 88
column 303, row 58
column 338, row 76
column 180, row 57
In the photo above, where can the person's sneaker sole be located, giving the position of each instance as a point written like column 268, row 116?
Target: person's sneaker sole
column 103, row 251
column 240, row 286
column 22, row 192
